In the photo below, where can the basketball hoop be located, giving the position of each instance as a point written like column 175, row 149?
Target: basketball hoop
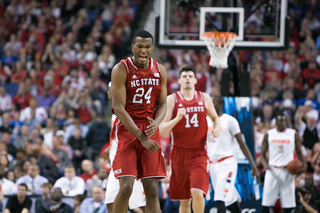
column 219, row 45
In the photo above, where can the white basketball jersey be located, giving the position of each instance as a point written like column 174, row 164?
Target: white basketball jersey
column 113, row 139
column 222, row 146
column 281, row 146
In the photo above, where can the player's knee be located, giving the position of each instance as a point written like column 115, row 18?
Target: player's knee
column 197, row 195
column 185, row 204
column 150, row 188
column 126, row 188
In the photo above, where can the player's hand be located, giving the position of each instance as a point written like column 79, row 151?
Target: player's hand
column 215, row 132
column 267, row 167
column 181, row 113
column 105, row 155
column 152, row 128
column 300, row 197
column 150, row 145
column 256, row 173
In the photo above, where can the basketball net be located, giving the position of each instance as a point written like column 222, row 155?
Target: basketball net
column 219, row 45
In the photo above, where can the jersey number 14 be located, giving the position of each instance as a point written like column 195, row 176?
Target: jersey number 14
column 193, row 121
column 140, row 95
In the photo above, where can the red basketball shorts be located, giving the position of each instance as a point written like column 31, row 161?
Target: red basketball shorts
column 132, row 159
column 189, row 171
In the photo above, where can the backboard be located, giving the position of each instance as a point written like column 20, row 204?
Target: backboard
column 259, row 24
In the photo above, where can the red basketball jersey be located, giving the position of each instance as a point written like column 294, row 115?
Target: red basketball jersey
column 191, row 131
column 143, row 89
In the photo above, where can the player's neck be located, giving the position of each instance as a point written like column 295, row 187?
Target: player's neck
column 188, row 94
column 143, row 66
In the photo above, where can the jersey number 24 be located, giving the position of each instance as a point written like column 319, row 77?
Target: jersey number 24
column 140, row 95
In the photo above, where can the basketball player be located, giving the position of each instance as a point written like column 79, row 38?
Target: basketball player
column 281, row 143
column 186, row 118
column 137, row 198
column 223, row 165
column 139, row 101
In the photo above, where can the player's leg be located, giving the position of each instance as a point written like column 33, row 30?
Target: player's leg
column 112, row 191
column 270, row 190
column 150, row 186
column 197, row 201
column 110, row 207
column 121, row 201
column 220, row 206
column 185, row 206
column 287, row 191
column 235, row 207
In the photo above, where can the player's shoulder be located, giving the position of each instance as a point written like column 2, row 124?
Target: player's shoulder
column 271, row 131
column 292, row 131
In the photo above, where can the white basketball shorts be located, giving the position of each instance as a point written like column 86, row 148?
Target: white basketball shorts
column 223, row 176
column 279, row 181
column 137, row 198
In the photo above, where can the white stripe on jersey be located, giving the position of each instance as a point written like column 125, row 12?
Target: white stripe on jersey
column 114, row 141
column 281, row 146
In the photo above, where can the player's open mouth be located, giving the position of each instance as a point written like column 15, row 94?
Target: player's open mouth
column 143, row 58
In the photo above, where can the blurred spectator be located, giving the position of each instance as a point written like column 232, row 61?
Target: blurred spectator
column 40, row 111
column 7, row 186
column 91, row 204
column 308, row 130
column 45, row 162
column 55, row 204
column 44, row 200
column 306, row 201
column 65, row 147
column 33, row 180
column 72, row 124
column 5, row 100
column 311, row 74
column 19, row 202
column 100, row 179
column 32, row 120
column 18, row 73
column 204, row 83
column 20, row 141
column 22, row 98
column 6, row 125
column 88, row 170
column 77, row 144
column 266, row 116
column 61, row 154
column 70, row 184
column 77, row 200
column 82, row 102
column 97, row 136
column 8, row 58
column 46, row 99
column 14, row 45
column 5, row 139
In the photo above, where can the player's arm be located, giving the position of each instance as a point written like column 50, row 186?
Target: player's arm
column 245, row 150
column 168, row 123
column 299, row 151
column 118, row 94
column 161, row 107
column 212, row 113
column 264, row 150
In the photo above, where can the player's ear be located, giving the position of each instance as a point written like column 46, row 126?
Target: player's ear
column 195, row 80
column 179, row 82
column 132, row 46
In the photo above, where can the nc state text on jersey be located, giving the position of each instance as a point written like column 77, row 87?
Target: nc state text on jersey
column 144, row 81
column 195, row 109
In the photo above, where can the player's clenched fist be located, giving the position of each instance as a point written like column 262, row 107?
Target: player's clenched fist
column 215, row 133
column 181, row 113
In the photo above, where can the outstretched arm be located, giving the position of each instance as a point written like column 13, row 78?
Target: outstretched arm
column 299, row 152
column 264, row 150
column 245, row 150
column 212, row 113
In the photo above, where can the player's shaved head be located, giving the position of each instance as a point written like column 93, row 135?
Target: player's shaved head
column 142, row 34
